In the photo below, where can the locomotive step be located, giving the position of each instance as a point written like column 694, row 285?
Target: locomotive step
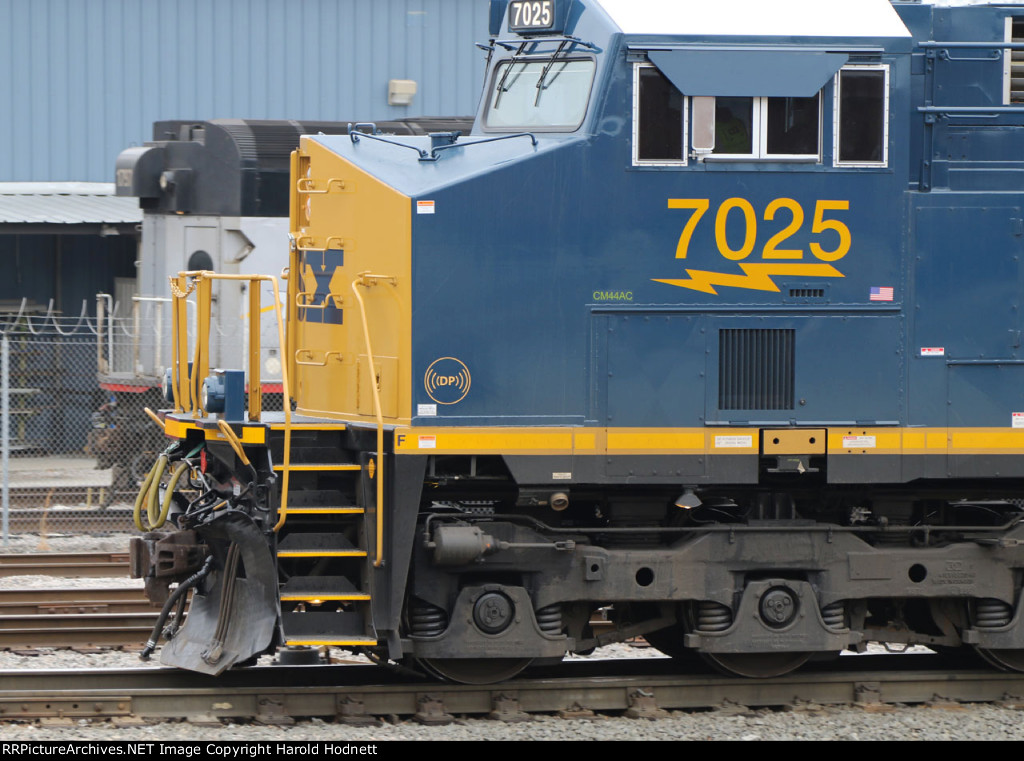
column 320, row 588
column 339, row 629
column 318, row 545
column 320, row 466
column 300, row 510
column 301, row 423
column 298, row 497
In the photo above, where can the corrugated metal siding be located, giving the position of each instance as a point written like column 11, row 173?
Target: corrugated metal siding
column 80, row 80
column 70, row 269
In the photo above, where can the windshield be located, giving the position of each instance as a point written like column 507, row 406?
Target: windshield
column 540, row 95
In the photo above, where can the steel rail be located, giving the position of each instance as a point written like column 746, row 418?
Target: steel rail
column 66, row 564
column 78, row 520
column 32, row 619
column 641, row 687
column 75, row 631
column 22, row 602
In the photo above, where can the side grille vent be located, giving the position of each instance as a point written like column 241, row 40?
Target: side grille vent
column 807, row 293
column 755, row 369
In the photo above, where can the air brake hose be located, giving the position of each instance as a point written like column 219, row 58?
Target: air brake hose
column 157, row 521
column 149, row 494
column 183, row 588
column 152, row 478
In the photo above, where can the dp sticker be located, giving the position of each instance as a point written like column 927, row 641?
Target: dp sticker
column 447, row 380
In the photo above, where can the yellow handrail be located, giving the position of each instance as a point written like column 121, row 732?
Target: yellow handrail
column 366, row 280
column 337, row 298
column 155, row 418
column 311, row 363
column 307, row 185
column 180, row 289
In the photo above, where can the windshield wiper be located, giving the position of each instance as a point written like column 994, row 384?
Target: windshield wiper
column 504, row 77
column 547, row 68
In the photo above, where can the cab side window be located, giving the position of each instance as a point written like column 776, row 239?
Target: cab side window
column 659, row 119
column 786, row 129
column 768, row 128
column 862, row 105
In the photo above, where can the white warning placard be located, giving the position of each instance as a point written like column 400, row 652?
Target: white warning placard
column 734, row 442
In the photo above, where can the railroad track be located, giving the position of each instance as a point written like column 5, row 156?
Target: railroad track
column 74, row 618
column 644, row 688
column 66, row 564
column 84, row 618
column 37, row 602
column 77, row 520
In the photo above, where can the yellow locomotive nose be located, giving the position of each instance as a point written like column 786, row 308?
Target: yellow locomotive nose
column 349, row 300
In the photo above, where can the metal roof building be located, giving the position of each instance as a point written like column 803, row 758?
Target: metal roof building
column 66, row 241
column 61, row 207
column 80, row 80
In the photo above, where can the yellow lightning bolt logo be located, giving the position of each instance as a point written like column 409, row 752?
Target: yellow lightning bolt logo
column 756, row 277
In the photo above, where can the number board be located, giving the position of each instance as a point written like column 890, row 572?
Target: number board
column 532, row 16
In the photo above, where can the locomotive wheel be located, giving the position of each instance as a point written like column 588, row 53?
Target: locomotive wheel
column 752, row 665
column 757, row 665
column 1007, row 660
column 474, row 670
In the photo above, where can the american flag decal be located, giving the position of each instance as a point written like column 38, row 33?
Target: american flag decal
column 880, row 294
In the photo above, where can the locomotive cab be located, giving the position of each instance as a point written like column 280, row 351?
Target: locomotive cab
column 668, row 335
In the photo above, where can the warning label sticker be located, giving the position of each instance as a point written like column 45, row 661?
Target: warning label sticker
column 859, row 442
column 733, row 442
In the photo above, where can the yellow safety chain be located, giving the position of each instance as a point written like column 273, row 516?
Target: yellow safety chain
column 178, row 293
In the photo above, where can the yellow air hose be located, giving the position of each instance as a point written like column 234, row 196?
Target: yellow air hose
column 157, row 521
column 149, row 495
column 153, row 477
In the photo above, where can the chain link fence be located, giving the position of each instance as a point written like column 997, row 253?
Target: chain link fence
column 77, row 443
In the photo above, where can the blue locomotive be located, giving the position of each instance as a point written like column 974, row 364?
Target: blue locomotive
column 713, row 322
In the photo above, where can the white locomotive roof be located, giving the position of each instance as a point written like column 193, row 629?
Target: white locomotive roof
column 758, row 18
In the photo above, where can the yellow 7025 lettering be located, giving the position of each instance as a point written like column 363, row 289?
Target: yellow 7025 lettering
column 772, row 249
column 700, row 207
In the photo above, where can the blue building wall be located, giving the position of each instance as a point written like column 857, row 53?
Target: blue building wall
column 80, row 80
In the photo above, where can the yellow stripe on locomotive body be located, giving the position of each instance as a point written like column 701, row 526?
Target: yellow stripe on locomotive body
column 499, row 440
column 710, row 457
column 346, row 223
column 581, row 441
column 847, row 440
